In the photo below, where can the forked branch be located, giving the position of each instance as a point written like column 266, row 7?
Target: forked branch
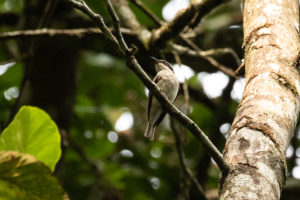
column 128, row 54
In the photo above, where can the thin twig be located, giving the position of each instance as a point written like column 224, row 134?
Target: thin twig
column 182, row 19
column 116, row 24
column 167, row 105
column 171, row 29
column 210, row 59
column 44, row 21
column 129, row 20
column 16, row 59
column 47, row 14
column 237, row 71
column 98, row 19
column 183, row 166
column 208, row 53
column 148, row 12
column 201, row 53
column 182, row 50
column 218, row 51
column 67, row 141
column 186, row 171
column 92, row 163
column 80, row 32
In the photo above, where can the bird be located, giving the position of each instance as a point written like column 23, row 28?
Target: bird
column 168, row 84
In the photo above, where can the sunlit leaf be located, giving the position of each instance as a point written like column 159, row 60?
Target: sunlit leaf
column 33, row 132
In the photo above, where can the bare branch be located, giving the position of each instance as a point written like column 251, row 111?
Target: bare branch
column 98, row 19
column 174, row 27
column 91, row 162
column 200, row 96
column 47, row 14
column 147, row 11
column 129, row 20
column 132, row 63
column 116, row 24
column 81, row 32
column 186, row 171
column 206, row 56
column 211, row 52
column 240, row 67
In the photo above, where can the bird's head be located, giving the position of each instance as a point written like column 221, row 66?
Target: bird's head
column 162, row 65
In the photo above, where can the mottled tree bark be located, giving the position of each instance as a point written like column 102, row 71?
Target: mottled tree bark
column 268, row 112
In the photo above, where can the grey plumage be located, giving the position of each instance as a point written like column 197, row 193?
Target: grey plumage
column 166, row 80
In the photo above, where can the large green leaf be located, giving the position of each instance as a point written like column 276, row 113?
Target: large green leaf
column 33, row 132
column 24, row 177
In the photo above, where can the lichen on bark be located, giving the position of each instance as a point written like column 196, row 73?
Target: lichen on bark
column 268, row 112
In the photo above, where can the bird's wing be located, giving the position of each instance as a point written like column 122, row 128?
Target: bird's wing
column 155, row 80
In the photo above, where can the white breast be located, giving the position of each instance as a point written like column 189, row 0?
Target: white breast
column 168, row 84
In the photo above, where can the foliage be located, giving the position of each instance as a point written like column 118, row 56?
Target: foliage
column 102, row 160
column 33, row 132
column 22, row 176
column 106, row 90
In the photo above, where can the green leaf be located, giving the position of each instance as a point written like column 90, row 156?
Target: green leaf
column 33, row 132
column 24, row 177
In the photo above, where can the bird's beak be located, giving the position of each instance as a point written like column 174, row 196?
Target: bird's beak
column 156, row 60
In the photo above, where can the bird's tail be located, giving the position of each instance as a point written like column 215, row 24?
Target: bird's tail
column 149, row 133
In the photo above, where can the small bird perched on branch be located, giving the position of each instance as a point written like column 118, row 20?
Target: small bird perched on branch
column 168, row 84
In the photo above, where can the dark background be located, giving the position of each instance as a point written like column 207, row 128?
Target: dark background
column 87, row 89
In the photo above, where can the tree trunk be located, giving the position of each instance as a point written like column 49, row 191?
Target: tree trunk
column 268, row 112
column 50, row 70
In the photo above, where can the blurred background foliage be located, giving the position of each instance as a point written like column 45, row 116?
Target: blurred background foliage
column 105, row 155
